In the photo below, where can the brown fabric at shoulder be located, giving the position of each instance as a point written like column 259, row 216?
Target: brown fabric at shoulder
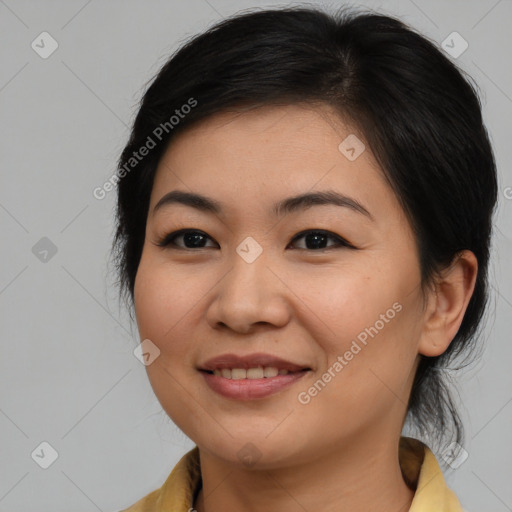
column 178, row 491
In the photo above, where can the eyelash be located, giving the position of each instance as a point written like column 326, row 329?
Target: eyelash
column 167, row 241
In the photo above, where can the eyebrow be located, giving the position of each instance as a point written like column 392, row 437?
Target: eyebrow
column 288, row 205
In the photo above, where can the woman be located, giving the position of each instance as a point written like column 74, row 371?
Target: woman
column 304, row 218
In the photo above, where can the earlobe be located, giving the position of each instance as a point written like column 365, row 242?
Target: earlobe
column 447, row 305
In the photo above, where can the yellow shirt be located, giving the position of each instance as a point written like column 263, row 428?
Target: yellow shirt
column 418, row 464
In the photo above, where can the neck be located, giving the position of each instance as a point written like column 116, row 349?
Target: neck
column 359, row 477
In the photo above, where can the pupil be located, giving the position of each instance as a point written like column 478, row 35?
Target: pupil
column 316, row 237
column 193, row 238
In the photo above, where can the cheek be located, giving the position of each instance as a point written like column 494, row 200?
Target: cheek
column 149, row 300
column 371, row 321
column 162, row 311
column 342, row 305
column 161, row 300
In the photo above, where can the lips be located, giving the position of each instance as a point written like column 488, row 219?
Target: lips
column 250, row 377
column 233, row 361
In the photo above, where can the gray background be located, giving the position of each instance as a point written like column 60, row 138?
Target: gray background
column 68, row 373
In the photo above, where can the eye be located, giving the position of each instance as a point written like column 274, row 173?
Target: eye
column 194, row 239
column 318, row 237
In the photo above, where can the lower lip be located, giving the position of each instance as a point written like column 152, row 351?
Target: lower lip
column 249, row 389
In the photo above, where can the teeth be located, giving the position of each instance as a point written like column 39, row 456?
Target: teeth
column 238, row 373
column 252, row 373
column 270, row 372
column 255, row 373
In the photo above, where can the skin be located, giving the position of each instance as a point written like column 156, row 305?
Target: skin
column 305, row 305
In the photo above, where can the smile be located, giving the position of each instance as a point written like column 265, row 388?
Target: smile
column 250, row 376
column 259, row 372
column 250, row 387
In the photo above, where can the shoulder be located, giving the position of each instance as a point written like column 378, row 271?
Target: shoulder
column 423, row 474
column 178, row 491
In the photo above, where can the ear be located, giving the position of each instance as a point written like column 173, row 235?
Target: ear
column 447, row 303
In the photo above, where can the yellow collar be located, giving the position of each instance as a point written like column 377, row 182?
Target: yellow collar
column 419, row 468
column 423, row 474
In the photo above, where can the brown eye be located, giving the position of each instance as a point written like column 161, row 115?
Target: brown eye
column 192, row 239
column 317, row 239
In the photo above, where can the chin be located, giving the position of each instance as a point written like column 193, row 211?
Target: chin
column 255, row 452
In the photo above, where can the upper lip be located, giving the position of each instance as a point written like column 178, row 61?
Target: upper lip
column 250, row 361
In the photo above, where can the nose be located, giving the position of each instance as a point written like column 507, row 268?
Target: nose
column 249, row 295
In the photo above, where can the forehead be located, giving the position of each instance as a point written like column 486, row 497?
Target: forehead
column 257, row 156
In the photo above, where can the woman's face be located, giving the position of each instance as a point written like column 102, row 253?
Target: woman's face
column 348, row 316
